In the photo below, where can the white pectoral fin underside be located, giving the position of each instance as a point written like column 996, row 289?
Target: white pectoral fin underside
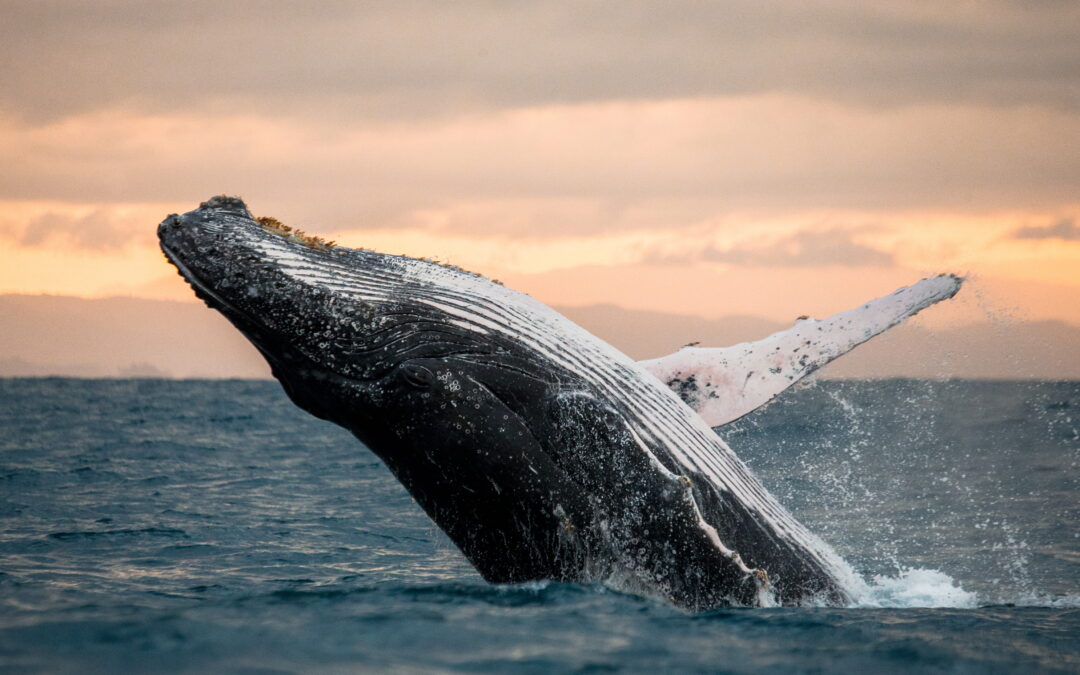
column 723, row 384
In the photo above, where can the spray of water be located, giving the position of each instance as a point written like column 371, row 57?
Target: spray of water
column 940, row 493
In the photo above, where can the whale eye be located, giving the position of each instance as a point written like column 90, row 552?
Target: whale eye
column 417, row 376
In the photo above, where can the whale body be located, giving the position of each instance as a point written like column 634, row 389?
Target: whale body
column 542, row 451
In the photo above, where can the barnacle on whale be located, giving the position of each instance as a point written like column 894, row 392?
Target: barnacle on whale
column 271, row 224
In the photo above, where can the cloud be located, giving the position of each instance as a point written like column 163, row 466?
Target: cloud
column 94, row 230
column 828, row 248
column 556, row 170
column 395, row 60
column 804, row 249
column 1063, row 229
column 87, row 227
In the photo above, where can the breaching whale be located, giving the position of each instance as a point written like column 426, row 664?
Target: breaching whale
column 542, row 451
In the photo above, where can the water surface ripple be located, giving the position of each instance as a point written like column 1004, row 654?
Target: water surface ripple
column 198, row 526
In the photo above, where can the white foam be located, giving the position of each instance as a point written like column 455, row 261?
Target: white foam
column 916, row 588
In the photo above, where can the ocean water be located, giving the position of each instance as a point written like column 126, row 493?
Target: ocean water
column 198, row 526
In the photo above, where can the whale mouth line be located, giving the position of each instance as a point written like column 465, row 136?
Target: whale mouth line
column 191, row 277
column 256, row 330
column 201, row 287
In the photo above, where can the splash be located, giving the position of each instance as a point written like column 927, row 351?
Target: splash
column 916, row 588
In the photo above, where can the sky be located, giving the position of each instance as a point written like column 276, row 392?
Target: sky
column 706, row 158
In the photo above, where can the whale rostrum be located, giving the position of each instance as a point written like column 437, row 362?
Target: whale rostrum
column 542, row 451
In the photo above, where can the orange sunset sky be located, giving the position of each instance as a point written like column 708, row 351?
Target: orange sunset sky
column 715, row 158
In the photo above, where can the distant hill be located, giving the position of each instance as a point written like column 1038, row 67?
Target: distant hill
column 120, row 337
column 128, row 337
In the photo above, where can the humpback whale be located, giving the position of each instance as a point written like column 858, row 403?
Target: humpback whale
column 542, row 451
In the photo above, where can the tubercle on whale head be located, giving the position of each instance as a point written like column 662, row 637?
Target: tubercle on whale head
column 326, row 318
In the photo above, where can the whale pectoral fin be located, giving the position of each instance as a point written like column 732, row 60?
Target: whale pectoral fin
column 723, row 384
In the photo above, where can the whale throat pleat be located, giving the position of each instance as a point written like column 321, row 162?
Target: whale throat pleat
column 672, row 434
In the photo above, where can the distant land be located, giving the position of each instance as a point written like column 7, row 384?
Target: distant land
column 44, row 335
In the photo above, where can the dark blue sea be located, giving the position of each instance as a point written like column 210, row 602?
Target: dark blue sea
column 211, row 526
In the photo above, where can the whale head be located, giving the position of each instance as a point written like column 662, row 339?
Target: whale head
column 395, row 350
